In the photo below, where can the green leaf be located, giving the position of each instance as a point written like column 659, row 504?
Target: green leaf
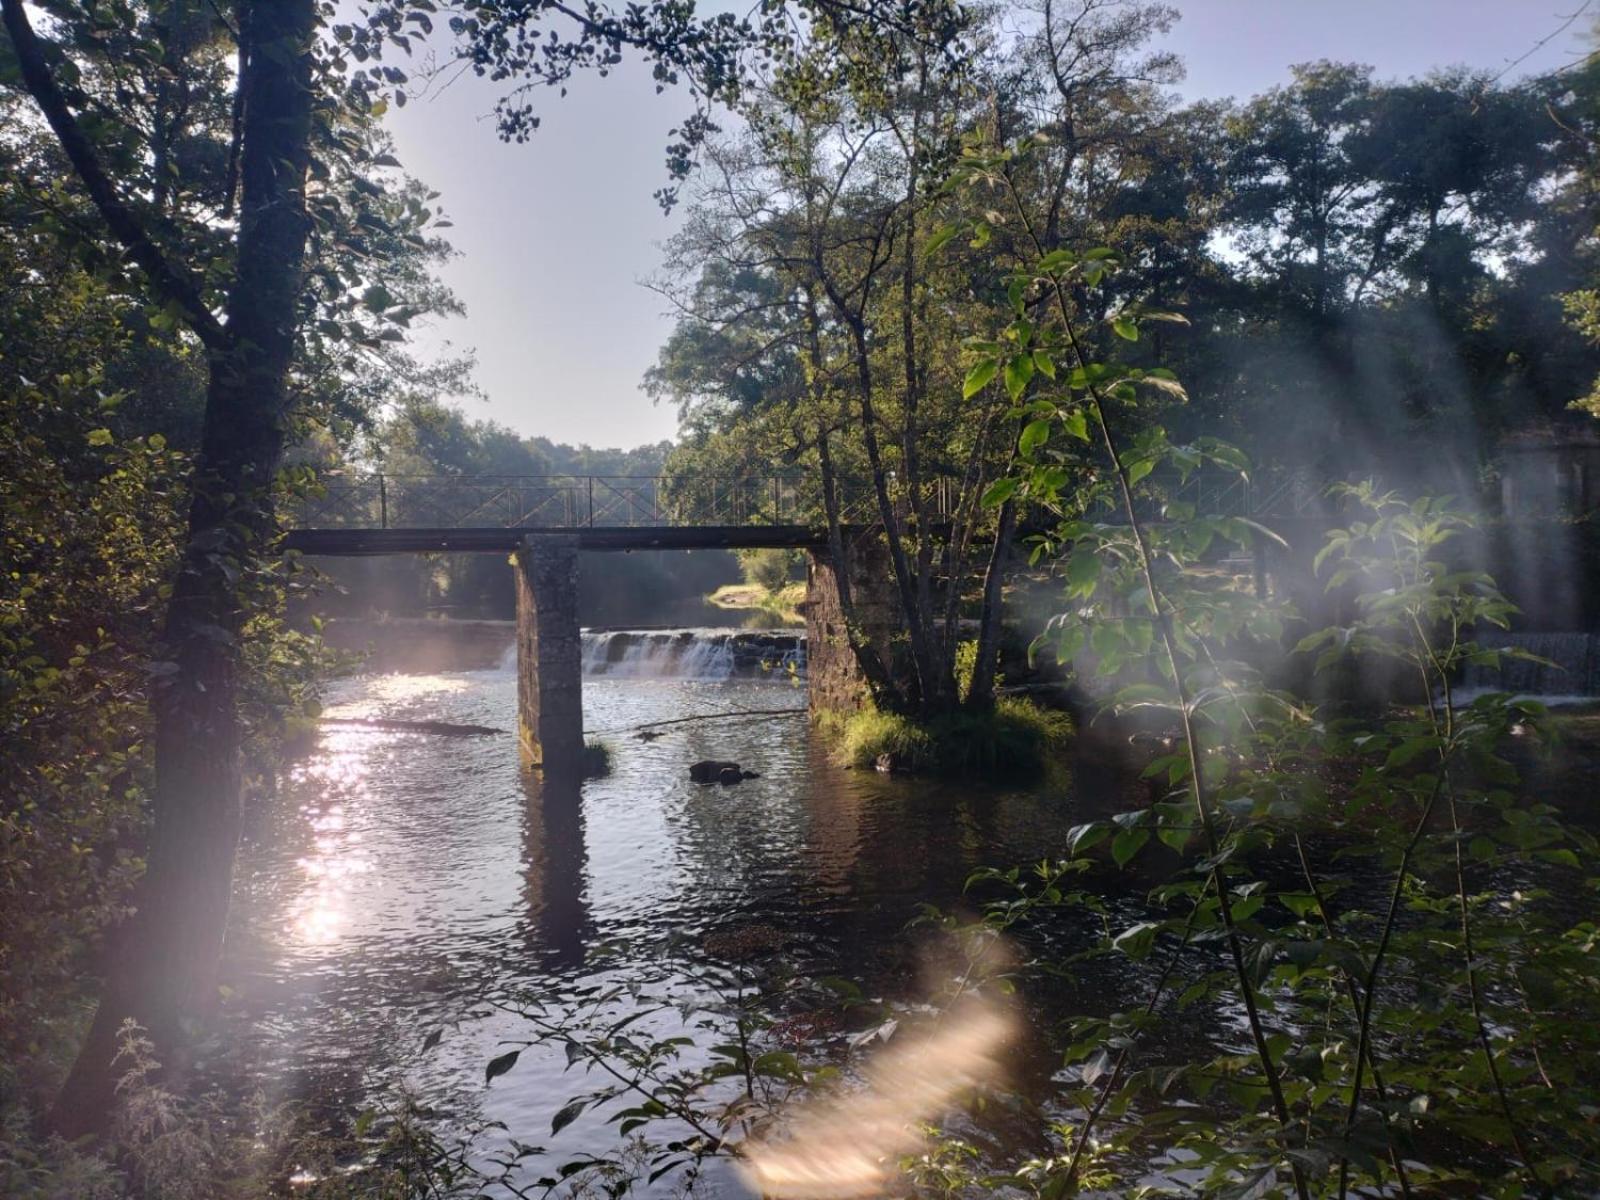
column 1125, row 328
column 1083, row 837
column 940, row 239
column 1034, row 435
column 779, row 1064
column 567, row 1115
column 1139, row 470
column 1076, row 423
column 978, row 378
column 1137, row 940
column 499, row 1066
column 1301, row 904
column 1019, row 371
column 999, row 492
column 1083, row 572
column 1126, row 844
column 100, row 437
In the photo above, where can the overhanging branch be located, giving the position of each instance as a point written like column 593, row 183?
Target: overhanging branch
column 169, row 280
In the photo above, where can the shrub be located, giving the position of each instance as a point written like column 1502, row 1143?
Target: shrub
column 1018, row 739
column 769, row 569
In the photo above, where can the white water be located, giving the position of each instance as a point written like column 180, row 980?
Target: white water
column 1569, row 672
column 703, row 654
column 676, row 654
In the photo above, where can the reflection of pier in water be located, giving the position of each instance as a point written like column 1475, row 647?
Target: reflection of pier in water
column 557, row 923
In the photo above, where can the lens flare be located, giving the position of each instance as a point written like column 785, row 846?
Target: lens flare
column 847, row 1146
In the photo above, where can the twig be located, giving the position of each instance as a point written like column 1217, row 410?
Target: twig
column 444, row 728
column 1115, row 1077
column 717, row 716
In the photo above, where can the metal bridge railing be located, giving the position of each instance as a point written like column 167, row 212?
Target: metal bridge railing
column 384, row 501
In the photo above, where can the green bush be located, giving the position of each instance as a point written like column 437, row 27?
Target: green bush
column 769, row 569
column 1018, row 739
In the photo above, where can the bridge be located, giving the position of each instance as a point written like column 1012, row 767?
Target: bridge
column 378, row 513
column 490, row 514
column 545, row 521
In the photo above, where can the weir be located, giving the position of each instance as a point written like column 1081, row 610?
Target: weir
column 552, row 657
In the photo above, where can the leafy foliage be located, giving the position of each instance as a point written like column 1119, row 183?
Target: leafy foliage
column 1391, row 1040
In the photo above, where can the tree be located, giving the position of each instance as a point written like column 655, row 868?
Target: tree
column 239, row 287
column 165, row 967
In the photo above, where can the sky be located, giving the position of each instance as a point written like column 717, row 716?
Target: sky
column 556, row 236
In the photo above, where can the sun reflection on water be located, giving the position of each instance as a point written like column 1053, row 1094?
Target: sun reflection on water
column 337, row 858
column 385, row 690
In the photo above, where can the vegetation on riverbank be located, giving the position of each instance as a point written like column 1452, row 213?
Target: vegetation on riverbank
column 769, row 586
column 746, row 597
column 1017, row 740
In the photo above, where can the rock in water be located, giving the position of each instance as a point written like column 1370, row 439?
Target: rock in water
column 710, row 770
column 730, row 774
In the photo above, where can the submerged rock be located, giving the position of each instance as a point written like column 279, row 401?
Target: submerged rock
column 710, row 770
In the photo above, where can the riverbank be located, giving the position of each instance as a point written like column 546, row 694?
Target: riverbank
column 749, row 597
column 1017, row 740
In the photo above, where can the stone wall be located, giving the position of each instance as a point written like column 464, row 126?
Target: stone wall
column 834, row 679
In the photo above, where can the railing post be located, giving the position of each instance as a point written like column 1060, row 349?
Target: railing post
column 383, row 501
column 590, row 479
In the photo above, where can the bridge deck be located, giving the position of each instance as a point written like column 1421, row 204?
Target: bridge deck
column 360, row 542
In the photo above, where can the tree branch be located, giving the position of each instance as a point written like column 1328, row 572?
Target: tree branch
column 169, row 280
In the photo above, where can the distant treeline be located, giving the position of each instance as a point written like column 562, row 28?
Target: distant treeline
column 427, row 437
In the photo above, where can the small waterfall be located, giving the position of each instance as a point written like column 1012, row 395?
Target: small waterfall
column 706, row 658
column 691, row 654
column 1572, row 668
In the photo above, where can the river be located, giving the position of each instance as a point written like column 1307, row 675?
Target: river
column 402, row 893
column 402, row 884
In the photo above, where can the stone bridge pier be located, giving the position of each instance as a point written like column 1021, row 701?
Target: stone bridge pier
column 834, row 679
column 549, row 655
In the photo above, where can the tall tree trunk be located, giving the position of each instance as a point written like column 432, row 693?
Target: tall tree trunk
column 963, row 524
column 164, row 973
column 938, row 685
column 980, row 695
column 904, row 577
column 880, row 684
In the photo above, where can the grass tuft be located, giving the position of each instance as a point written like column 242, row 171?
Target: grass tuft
column 596, row 760
column 1017, row 740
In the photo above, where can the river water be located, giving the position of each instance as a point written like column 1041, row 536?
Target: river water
column 402, row 893
column 403, row 884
